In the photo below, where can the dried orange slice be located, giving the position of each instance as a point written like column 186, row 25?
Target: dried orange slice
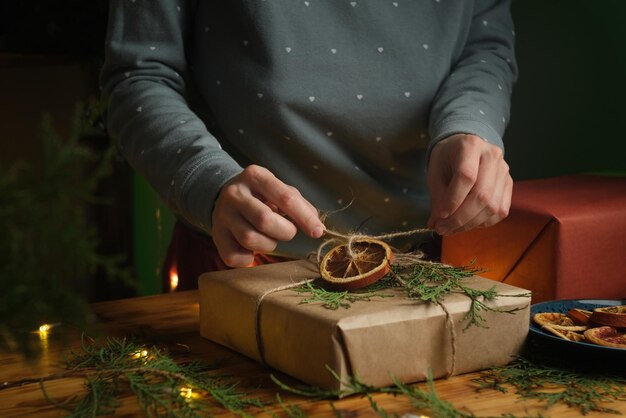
column 565, row 334
column 364, row 263
column 579, row 316
column 607, row 336
column 557, row 321
column 613, row 316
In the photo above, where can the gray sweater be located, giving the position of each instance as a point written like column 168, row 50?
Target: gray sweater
column 341, row 99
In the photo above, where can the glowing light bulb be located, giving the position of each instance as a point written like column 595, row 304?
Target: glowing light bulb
column 186, row 393
column 43, row 329
column 173, row 278
column 140, row 354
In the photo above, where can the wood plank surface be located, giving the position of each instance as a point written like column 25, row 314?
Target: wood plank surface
column 171, row 321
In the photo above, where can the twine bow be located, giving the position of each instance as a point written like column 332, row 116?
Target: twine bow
column 400, row 258
column 349, row 239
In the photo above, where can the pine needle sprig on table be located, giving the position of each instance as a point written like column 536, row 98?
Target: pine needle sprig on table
column 424, row 400
column 555, row 386
column 289, row 409
column 162, row 386
column 428, row 399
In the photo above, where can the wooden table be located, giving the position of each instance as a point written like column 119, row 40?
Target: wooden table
column 171, row 320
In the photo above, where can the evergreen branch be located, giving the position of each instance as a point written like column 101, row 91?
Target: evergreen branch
column 380, row 411
column 101, row 399
column 336, row 412
column 473, row 316
column 423, row 400
column 307, row 391
column 160, row 384
column 354, row 386
column 555, row 386
column 425, row 281
column 333, row 299
column 60, row 405
column 50, row 246
column 291, row 410
column 429, row 400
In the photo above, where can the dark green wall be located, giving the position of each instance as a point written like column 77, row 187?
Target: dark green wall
column 152, row 229
column 568, row 105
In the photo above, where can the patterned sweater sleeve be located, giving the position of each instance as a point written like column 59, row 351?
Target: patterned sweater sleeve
column 475, row 97
column 143, row 82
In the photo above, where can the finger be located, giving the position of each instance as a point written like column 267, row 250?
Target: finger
column 471, row 207
column 309, row 204
column 237, row 200
column 504, row 208
column 461, row 185
column 277, row 210
column 288, row 200
column 476, row 221
column 229, row 250
column 267, row 221
column 488, row 200
column 248, row 237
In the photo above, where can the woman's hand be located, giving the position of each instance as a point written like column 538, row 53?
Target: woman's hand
column 254, row 211
column 469, row 184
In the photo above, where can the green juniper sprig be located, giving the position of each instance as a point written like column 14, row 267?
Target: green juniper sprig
column 162, row 386
column 423, row 400
column 335, row 299
column 422, row 280
column 291, row 410
column 552, row 385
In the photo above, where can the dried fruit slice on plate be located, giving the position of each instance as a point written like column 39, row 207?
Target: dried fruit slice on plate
column 612, row 316
column 579, row 316
column 607, row 336
column 364, row 263
column 563, row 333
column 557, row 321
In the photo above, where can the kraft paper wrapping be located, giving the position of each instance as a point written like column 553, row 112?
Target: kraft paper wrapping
column 374, row 339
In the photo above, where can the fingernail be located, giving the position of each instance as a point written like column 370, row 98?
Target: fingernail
column 317, row 232
column 442, row 229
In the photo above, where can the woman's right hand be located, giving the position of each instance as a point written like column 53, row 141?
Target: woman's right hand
column 254, row 211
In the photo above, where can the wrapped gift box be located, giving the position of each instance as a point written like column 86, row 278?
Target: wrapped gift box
column 375, row 340
column 565, row 238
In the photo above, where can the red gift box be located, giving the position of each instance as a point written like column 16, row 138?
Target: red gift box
column 564, row 238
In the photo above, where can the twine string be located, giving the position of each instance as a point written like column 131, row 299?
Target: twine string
column 257, row 313
column 400, row 258
column 450, row 326
column 349, row 239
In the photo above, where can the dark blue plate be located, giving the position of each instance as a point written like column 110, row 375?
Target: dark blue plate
column 562, row 306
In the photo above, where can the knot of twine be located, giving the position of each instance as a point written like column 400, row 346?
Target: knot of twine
column 400, row 258
column 349, row 239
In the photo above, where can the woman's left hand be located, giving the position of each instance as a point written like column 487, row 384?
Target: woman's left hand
column 469, row 183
